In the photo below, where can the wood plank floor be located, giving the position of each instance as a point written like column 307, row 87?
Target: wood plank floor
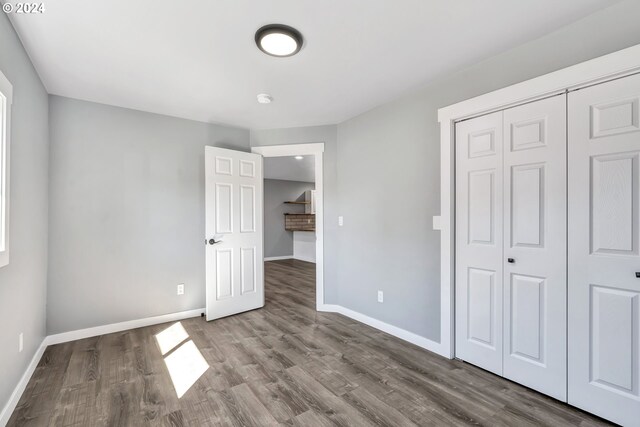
column 284, row 364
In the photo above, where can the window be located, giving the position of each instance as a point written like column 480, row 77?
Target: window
column 6, row 91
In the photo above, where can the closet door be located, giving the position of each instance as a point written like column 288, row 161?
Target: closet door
column 479, row 241
column 604, row 250
column 535, row 248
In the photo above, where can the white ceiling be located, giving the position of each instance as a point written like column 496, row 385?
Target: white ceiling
column 197, row 59
column 290, row 169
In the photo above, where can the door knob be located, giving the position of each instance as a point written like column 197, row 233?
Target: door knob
column 213, row 242
column 511, row 260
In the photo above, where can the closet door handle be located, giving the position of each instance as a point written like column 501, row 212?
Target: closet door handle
column 511, row 260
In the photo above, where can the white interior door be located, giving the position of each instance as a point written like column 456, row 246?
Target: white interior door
column 535, row 254
column 604, row 250
column 479, row 235
column 234, row 235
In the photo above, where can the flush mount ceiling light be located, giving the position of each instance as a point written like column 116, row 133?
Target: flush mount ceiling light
column 279, row 40
column 264, row 98
column 299, row 157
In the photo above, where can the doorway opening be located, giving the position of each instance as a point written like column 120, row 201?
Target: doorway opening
column 293, row 217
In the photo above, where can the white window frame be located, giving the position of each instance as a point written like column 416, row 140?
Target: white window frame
column 6, row 96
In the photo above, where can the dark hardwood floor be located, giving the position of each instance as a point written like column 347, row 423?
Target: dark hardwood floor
column 283, row 364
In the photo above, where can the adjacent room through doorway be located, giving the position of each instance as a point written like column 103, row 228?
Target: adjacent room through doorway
column 290, row 229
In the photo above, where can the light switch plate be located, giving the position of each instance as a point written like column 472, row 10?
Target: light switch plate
column 340, row 220
column 437, row 225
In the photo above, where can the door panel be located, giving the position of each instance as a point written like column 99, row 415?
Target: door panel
column 613, row 217
column 235, row 277
column 248, row 269
column 247, row 208
column 479, row 241
column 528, row 312
column 224, row 273
column 482, row 189
column 535, row 206
column 481, row 307
column 604, row 197
column 527, row 202
column 224, row 208
column 614, row 315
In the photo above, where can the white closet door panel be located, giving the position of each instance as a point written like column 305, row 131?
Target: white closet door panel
column 604, row 292
column 535, row 206
column 479, row 241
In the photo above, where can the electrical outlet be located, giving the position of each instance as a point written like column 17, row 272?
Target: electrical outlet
column 20, row 342
column 340, row 221
column 181, row 289
column 380, row 296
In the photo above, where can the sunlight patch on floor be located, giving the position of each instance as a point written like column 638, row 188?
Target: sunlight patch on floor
column 171, row 337
column 185, row 364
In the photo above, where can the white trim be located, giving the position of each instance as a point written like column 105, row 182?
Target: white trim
column 289, row 149
column 316, row 149
column 8, row 409
column 614, row 65
column 6, row 99
column 277, row 258
column 586, row 73
column 122, row 326
column 305, row 259
column 397, row 332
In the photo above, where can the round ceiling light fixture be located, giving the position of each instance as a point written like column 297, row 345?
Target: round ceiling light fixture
column 279, row 40
column 299, row 157
column 264, row 98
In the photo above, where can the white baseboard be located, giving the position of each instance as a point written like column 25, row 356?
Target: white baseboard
column 80, row 334
column 300, row 258
column 277, row 258
column 122, row 326
column 148, row 321
column 8, row 409
column 403, row 334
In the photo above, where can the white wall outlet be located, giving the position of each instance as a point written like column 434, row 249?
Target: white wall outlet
column 181, row 289
column 20, row 342
column 380, row 296
column 340, row 220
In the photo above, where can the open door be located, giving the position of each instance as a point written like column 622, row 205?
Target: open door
column 234, row 235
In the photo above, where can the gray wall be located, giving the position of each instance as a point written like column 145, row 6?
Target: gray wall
column 277, row 240
column 126, row 212
column 328, row 135
column 23, row 281
column 389, row 164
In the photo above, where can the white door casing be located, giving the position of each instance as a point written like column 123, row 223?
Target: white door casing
column 604, row 250
column 315, row 149
column 535, row 217
column 234, row 232
column 479, row 235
